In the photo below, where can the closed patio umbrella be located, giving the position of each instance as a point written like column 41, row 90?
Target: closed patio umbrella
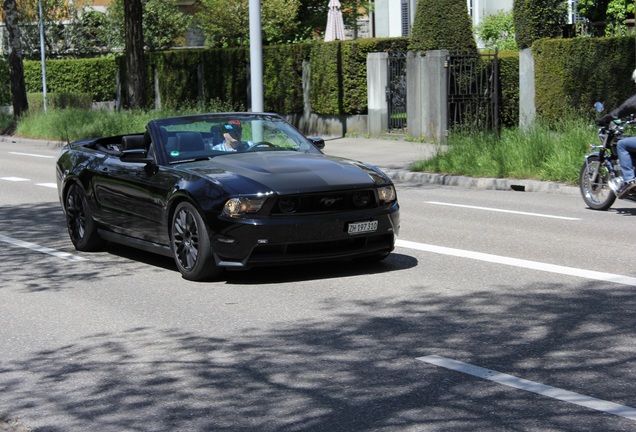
column 335, row 25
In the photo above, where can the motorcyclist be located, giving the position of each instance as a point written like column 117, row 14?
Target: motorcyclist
column 625, row 145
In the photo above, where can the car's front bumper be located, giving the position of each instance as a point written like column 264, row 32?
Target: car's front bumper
column 306, row 238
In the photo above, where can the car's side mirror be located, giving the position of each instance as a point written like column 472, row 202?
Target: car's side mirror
column 318, row 142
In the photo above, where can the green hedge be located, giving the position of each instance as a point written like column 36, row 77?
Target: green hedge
column 191, row 76
column 572, row 74
column 94, row 76
column 59, row 100
column 509, row 79
column 5, row 84
column 339, row 74
column 283, row 77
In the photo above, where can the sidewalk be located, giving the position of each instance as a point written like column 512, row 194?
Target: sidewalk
column 395, row 157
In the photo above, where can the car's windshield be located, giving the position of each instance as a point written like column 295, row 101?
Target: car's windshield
column 206, row 136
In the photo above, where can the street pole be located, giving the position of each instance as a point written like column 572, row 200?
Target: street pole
column 256, row 56
column 42, row 55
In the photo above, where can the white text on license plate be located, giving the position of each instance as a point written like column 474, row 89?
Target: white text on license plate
column 362, row 227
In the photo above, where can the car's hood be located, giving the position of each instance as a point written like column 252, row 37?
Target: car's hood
column 286, row 172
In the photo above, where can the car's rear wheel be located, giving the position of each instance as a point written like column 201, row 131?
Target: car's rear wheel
column 190, row 244
column 79, row 221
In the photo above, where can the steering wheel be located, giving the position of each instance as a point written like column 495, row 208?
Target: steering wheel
column 261, row 144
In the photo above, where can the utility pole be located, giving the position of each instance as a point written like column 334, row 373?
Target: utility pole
column 42, row 55
column 256, row 56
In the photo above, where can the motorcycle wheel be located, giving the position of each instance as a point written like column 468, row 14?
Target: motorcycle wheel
column 596, row 194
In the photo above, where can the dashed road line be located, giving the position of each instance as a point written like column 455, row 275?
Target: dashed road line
column 14, row 179
column 20, row 179
column 516, row 262
column 503, row 211
column 42, row 249
column 32, row 155
column 532, row 386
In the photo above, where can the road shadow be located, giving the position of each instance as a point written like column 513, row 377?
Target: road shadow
column 44, row 225
column 356, row 371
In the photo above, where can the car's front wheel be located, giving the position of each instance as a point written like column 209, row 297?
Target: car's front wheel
column 79, row 221
column 190, row 244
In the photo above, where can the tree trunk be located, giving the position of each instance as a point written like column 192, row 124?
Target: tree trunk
column 135, row 61
column 16, row 70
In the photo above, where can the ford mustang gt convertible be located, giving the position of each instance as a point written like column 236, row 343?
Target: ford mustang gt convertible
column 225, row 191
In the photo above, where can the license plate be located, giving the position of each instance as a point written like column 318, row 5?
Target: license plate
column 362, row 227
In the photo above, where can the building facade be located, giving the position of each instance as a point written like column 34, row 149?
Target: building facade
column 394, row 18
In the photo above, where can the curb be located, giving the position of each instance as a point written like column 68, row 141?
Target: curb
column 518, row 185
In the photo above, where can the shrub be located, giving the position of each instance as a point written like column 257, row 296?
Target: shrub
column 536, row 19
column 572, row 74
column 443, row 24
column 95, row 76
column 509, row 78
column 59, row 100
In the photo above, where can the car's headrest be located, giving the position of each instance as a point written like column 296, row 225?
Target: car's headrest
column 190, row 141
column 132, row 142
column 217, row 134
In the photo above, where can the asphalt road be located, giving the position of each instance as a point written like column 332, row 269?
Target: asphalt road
column 498, row 311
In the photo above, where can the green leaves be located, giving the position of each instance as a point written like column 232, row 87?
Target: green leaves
column 498, row 31
column 163, row 23
column 226, row 22
column 536, row 19
column 443, row 24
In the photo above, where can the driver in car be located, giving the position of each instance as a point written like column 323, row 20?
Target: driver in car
column 232, row 138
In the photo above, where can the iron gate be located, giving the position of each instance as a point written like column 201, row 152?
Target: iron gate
column 396, row 90
column 473, row 92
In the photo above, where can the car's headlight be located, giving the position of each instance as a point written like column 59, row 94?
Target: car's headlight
column 235, row 207
column 386, row 194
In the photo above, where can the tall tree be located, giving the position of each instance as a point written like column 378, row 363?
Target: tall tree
column 443, row 24
column 16, row 69
column 536, row 19
column 163, row 23
column 135, row 60
column 226, row 22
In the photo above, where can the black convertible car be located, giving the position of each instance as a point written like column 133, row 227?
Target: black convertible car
column 231, row 190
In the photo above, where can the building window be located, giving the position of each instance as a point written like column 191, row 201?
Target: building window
column 406, row 18
column 573, row 15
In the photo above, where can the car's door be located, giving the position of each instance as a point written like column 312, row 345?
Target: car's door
column 133, row 197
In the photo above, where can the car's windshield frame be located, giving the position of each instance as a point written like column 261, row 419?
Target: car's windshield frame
column 198, row 137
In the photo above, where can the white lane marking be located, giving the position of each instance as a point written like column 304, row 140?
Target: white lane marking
column 502, row 210
column 533, row 387
column 32, row 155
column 49, row 185
column 515, row 262
column 42, row 249
column 14, row 179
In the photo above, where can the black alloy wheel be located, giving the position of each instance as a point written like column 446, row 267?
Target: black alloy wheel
column 79, row 221
column 190, row 244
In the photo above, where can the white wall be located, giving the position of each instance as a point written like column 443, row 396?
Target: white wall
column 388, row 13
column 388, row 18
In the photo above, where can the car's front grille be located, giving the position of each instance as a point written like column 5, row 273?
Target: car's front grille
column 327, row 202
column 342, row 247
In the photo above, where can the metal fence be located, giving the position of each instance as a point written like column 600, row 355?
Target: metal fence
column 396, row 91
column 473, row 92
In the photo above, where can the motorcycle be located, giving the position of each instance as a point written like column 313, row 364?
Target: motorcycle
column 601, row 175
